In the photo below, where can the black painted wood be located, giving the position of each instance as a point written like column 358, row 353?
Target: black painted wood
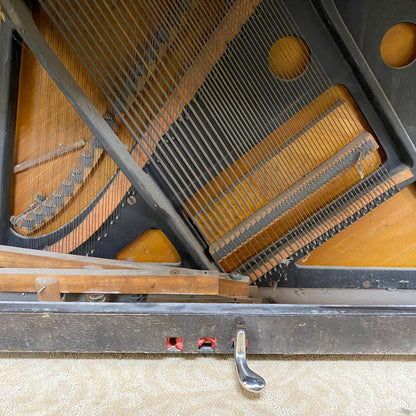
column 369, row 82
column 386, row 278
column 271, row 329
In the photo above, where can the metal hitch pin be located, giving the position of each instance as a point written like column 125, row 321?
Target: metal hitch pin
column 248, row 379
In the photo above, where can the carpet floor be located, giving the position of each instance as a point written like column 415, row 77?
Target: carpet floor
column 199, row 385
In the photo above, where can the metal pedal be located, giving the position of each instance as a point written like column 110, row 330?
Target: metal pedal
column 250, row 381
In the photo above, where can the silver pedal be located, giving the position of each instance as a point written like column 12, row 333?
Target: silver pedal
column 250, row 381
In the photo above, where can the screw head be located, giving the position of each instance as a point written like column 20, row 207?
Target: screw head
column 40, row 198
column 236, row 276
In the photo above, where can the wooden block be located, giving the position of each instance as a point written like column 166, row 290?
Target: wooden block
column 233, row 289
column 152, row 246
column 47, row 289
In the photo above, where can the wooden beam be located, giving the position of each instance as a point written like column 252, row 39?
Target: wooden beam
column 20, row 266
column 121, row 281
column 117, row 281
column 28, row 258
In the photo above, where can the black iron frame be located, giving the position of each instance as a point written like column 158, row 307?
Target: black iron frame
column 10, row 52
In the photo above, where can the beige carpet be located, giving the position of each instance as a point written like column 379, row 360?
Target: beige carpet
column 194, row 385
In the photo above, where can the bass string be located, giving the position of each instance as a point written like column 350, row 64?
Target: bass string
column 188, row 144
column 204, row 93
column 184, row 109
column 288, row 32
column 133, row 133
column 71, row 130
